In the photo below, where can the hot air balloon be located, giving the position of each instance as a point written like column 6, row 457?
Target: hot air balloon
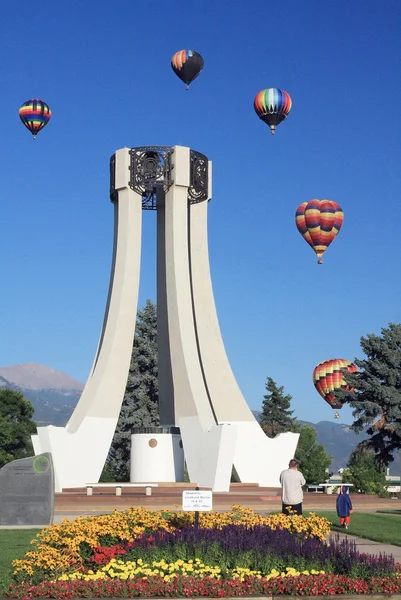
column 35, row 114
column 328, row 376
column 187, row 64
column 272, row 106
column 319, row 221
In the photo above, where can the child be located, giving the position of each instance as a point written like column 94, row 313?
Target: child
column 344, row 506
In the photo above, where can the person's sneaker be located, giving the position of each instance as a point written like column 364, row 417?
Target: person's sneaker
column 346, row 525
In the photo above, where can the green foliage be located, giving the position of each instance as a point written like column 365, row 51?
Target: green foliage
column 108, row 475
column 376, row 392
column 312, row 457
column 16, row 426
column 215, row 554
column 276, row 414
column 364, row 472
column 141, row 400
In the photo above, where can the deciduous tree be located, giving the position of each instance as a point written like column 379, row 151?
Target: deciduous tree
column 16, row 426
column 364, row 473
column 312, row 457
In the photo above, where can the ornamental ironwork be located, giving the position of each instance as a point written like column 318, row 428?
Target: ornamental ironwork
column 199, row 177
column 150, row 166
column 113, row 196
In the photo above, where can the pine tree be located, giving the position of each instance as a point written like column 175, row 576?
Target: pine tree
column 276, row 414
column 140, row 407
column 376, row 393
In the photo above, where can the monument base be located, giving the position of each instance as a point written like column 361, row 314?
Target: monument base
column 156, row 454
column 211, row 453
column 76, row 458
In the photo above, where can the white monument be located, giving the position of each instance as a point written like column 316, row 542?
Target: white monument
column 198, row 392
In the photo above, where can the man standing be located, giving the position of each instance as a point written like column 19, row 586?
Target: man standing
column 292, row 495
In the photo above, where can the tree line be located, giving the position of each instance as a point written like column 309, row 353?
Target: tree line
column 374, row 393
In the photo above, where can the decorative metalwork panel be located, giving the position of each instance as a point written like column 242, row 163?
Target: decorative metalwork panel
column 113, row 196
column 199, row 177
column 150, row 166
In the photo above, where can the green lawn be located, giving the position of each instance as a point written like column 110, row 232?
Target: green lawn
column 13, row 543
column 383, row 528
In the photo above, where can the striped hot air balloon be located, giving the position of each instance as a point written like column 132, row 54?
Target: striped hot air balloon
column 319, row 221
column 328, row 377
column 272, row 106
column 35, row 114
column 187, row 64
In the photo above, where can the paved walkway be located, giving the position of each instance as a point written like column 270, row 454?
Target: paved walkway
column 370, row 547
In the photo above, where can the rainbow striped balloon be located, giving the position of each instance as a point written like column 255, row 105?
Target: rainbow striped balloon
column 328, row 377
column 35, row 114
column 272, row 106
column 319, row 221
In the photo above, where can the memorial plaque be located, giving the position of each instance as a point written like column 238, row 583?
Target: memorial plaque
column 27, row 491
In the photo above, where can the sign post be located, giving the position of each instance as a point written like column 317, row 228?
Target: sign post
column 197, row 501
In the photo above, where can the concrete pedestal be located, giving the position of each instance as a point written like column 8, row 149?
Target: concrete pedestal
column 156, row 455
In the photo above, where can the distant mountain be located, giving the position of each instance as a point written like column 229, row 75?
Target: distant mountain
column 31, row 376
column 53, row 394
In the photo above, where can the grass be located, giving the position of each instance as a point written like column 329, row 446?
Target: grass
column 384, row 528
column 13, row 543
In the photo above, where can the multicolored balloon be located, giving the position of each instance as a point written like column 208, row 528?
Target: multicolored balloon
column 319, row 221
column 187, row 64
column 35, row 114
column 328, row 377
column 272, row 106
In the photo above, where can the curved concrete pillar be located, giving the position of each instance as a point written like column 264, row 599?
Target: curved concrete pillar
column 80, row 449
column 228, row 402
column 190, row 395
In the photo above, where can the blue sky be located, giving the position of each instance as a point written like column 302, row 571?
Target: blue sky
column 104, row 69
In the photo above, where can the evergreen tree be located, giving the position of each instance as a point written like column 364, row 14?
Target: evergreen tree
column 364, row 473
column 140, row 407
column 276, row 414
column 313, row 460
column 16, row 426
column 376, row 392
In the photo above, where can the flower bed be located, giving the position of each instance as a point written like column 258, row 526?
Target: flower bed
column 141, row 553
column 184, row 586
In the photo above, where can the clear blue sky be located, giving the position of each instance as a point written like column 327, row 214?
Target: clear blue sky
column 104, row 69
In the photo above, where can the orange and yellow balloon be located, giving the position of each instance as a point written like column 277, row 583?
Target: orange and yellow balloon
column 328, row 377
column 319, row 221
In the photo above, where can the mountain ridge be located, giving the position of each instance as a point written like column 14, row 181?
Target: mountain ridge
column 34, row 376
